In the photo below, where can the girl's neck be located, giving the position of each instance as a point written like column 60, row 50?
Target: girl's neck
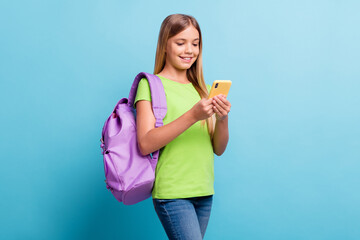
column 174, row 74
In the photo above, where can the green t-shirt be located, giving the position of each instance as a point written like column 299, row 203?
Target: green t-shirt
column 186, row 165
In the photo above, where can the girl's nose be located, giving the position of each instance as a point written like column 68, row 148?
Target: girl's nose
column 188, row 48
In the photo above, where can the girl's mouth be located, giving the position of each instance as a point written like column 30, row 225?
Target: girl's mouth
column 186, row 59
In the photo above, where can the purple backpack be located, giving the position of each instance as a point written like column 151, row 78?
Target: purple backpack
column 130, row 175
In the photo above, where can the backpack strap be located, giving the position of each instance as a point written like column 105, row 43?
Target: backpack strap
column 158, row 97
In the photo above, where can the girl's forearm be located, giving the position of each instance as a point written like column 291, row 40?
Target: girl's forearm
column 157, row 138
column 221, row 136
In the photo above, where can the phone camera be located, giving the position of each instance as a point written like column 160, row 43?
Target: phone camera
column 216, row 85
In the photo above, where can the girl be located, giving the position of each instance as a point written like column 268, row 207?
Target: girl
column 183, row 188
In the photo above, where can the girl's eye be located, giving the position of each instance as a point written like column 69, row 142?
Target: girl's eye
column 195, row 45
column 179, row 44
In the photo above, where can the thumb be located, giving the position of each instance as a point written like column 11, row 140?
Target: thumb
column 208, row 101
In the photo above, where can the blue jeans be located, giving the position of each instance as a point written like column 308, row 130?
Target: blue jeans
column 184, row 218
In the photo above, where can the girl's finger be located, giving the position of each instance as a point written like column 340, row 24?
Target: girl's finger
column 221, row 111
column 220, row 106
column 223, row 105
column 219, row 101
column 208, row 101
column 209, row 107
column 224, row 100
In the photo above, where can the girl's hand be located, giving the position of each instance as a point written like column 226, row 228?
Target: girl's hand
column 203, row 109
column 221, row 107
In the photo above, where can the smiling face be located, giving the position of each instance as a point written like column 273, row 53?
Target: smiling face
column 183, row 49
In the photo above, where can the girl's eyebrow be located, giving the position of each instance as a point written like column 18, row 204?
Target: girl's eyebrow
column 185, row 39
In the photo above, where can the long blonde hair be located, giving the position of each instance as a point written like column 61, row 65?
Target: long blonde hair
column 172, row 25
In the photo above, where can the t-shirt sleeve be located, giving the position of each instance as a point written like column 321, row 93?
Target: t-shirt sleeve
column 143, row 91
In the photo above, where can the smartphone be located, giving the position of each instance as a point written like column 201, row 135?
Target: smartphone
column 220, row 87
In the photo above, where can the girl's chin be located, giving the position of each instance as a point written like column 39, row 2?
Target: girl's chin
column 183, row 67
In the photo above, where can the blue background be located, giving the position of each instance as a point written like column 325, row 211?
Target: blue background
column 291, row 169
